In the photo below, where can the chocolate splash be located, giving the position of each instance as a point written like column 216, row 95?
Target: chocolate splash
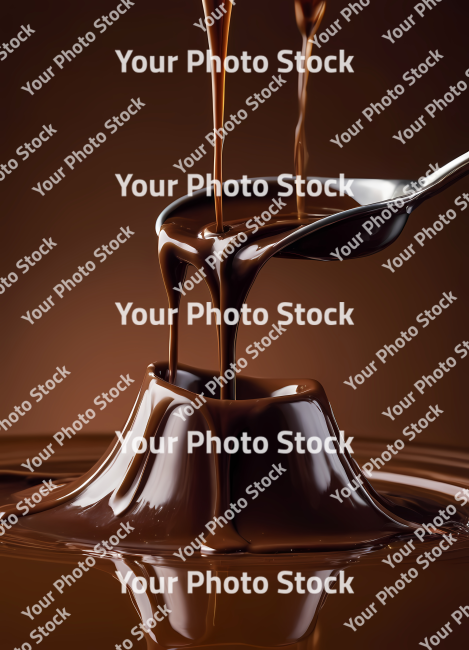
column 170, row 496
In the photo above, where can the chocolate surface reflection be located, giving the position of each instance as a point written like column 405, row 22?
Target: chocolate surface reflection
column 270, row 620
column 247, row 618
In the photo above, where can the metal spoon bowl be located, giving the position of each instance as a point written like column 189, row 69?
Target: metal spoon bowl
column 375, row 209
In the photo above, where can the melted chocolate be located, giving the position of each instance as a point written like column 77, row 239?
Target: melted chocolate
column 168, row 498
column 172, row 496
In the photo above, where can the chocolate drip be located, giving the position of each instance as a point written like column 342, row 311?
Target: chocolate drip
column 190, row 239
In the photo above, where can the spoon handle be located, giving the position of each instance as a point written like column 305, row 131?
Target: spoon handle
column 442, row 178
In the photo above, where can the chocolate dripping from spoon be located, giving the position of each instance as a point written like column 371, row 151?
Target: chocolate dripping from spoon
column 217, row 33
column 309, row 14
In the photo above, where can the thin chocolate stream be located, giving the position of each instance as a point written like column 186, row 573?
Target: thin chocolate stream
column 217, row 32
column 309, row 14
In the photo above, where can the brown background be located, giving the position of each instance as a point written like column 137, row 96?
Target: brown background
column 85, row 210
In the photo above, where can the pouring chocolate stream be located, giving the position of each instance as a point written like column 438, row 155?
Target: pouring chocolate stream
column 309, row 14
